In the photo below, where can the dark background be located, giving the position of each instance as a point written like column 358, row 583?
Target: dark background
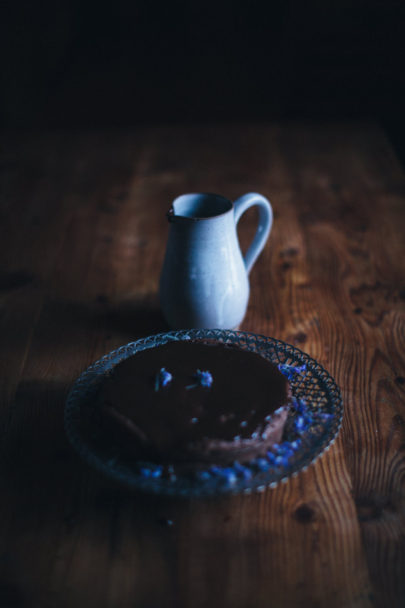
column 69, row 64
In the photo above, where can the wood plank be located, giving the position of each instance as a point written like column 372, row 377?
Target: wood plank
column 361, row 282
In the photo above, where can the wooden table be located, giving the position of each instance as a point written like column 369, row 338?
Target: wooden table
column 83, row 237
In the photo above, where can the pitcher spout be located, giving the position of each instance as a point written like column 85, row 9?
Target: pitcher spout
column 171, row 215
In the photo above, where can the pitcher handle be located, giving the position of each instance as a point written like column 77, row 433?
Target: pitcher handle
column 242, row 204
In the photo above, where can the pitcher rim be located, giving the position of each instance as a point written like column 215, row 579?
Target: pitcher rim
column 172, row 217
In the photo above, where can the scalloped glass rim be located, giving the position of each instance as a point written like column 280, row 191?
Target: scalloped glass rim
column 316, row 386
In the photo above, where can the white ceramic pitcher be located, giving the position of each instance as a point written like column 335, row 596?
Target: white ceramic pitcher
column 204, row 280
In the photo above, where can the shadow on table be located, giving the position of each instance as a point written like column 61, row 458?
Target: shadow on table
column 132, row 318
column 57, row 504
column 139, row 319
column 43, row 477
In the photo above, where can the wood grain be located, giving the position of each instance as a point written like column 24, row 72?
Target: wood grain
column 83, row 238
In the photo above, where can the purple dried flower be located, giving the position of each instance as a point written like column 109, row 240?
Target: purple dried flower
column 300, row 424
column 156, row 472
column 324, row 416
column 215, row 470
column 296, row 444
column 202, row 379
column 281, row 461
column 203, row 475
column 226, row 473
column 282, row 452
column 205, row 378
column 262, row 464
column 145, row 472
column 300, row 405
column 162, row 379
column 285, row 449
column 286, row 460
column 229, row 475
column 245, row 472
column 291, row 370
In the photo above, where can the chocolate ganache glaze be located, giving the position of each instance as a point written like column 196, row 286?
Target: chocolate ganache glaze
column 164, row 406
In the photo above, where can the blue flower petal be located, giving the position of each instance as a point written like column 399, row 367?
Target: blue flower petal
column 262, row 464
column 242, row 470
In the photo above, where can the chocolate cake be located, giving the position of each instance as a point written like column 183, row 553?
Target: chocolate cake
column 192, row 403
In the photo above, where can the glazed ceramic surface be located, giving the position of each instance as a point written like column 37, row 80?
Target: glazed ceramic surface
column 204, row 280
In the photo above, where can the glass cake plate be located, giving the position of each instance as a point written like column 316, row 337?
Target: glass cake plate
column 311, row 428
